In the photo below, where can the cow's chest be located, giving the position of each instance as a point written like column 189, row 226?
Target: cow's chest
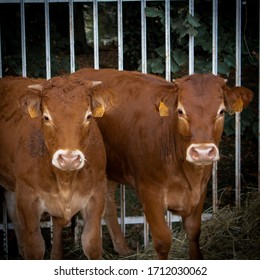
column 65, row 202
column 182, row 196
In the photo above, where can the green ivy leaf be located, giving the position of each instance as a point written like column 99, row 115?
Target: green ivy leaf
column 223, row 68
column 179, row 56
column 161, row 51
column 153, row 12
column 156, row 65
column 174, row 66
column 230, row 60
column 193, row 21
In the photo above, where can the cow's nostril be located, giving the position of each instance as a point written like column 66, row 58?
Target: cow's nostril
column 202, row 153
column 194, row 153
column 68, row 160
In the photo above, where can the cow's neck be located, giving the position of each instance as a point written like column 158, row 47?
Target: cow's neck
column 65, row 184
column 197, row 177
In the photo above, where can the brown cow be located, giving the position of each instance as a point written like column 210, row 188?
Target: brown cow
column 162, row 138
column 52, row 158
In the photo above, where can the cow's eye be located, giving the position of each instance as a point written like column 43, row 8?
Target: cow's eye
column 46, row 118
column 88, row 117
column 180, row 112
column 222, row 112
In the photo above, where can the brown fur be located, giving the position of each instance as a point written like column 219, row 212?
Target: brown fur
column 149, row 152
column 26, row 170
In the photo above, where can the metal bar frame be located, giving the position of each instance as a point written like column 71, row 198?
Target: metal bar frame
column 72, row 40
column 237, row 116
column 123, row 219
column 215, row 72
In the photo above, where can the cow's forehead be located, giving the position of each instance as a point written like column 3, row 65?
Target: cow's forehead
column 72, row 104
column 61, row 97
column 201, row 91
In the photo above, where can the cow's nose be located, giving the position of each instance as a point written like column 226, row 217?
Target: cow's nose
column 68, row 160
column 202, row 154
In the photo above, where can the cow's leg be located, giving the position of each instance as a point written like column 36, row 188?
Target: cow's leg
column 155, row 215
column 192, row 225
column 29, row 214
column 91, row 235
column 110, row 216
column 11, row 209
column 57, row 247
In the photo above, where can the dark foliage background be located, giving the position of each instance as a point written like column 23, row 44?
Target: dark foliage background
column 182, row 25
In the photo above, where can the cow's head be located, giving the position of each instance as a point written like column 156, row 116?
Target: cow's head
column 67, row 107
column 201, row 101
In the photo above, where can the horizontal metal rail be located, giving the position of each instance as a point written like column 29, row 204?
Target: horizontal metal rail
column 123, row 219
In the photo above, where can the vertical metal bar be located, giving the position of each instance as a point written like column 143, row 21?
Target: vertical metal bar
column 168, row 65
column 5, row 231
column 215, row 72
column 77, row 231
column 143, row 36
column 167, row 40
column 144, row 70
column 146, row 232
column 120, row 34
column 47, row 39
column 72, row 40
column 96, row 39
column 215, row 37
column 122, row 207
column 238, row 83
column 23, row 38
column 191, row 41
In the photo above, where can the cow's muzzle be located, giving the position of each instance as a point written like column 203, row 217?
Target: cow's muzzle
column 202, row 154
column 68, row 159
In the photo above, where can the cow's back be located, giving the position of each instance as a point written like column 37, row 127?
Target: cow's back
column 132, row 130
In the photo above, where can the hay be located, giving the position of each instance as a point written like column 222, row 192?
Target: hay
column 230, row 234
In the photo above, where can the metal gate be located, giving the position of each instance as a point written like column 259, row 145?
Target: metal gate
column 191, row 6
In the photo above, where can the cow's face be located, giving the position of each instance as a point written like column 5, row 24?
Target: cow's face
column 201, row 103
column 66, row 108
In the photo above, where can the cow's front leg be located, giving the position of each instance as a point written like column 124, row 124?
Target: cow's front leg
column 91, row 235
column 57, row 246
column 192, row 225
column 155, row 215
column 29, row 215
column 10, row 199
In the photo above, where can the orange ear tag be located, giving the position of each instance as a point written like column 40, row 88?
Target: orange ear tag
column 163, row 110
column 238, row 105
column 32, row 112
column 99, row 112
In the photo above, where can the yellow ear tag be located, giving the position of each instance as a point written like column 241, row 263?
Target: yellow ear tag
column 238, row 105
column 163, row 110
column 32, row 112
column 99, row 111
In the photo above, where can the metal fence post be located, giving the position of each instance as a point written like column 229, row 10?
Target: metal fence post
column 215, row 72
column 95, row 32
column 72, row 40
column 120, row 34
column 23, row 38
column 47, row 39
column 238, row 83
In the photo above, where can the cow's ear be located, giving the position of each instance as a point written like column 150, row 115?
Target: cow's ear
column 102, row 98
column 30, row 104
column 166, row 100
column 237, row 98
